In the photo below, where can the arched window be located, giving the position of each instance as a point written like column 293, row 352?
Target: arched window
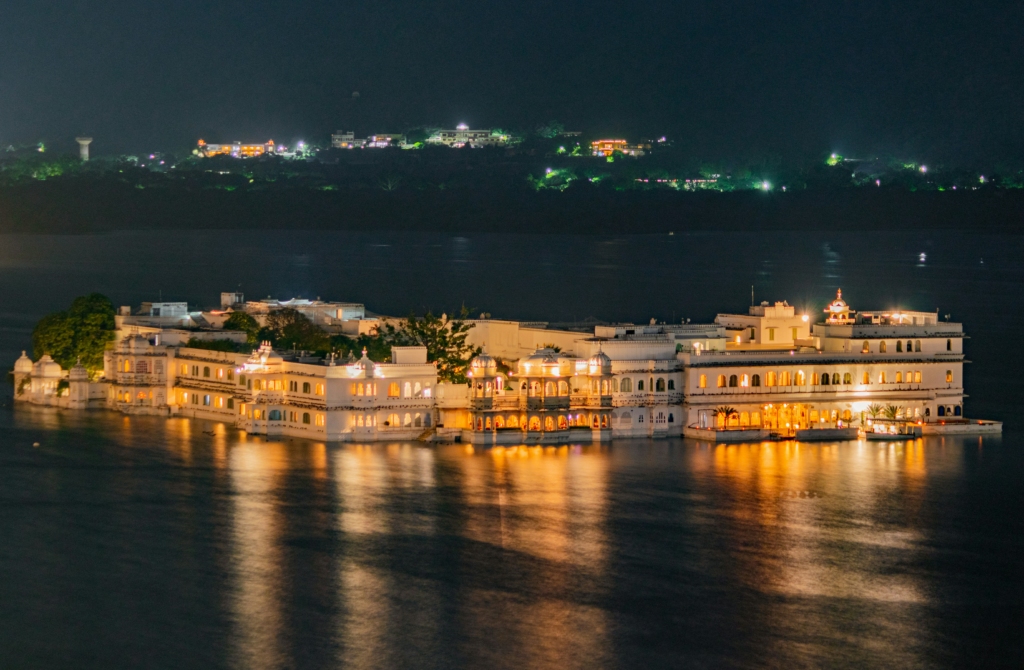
column 824, row 378
column 513, row 421
column 418, row 421
column 927, row 411
column 206, row 371
column 957, row 411
column 671, row 384
column 660, row 385
column 949, row 345
column 640, row 385
column 275, row 415
column 771, row 379
column 867, row 378
column 942, row 411
column 407, row 390
column 703, row 382
column 563, row 388
column 835, row 377
column 847, row 378
column 881, row 377
column 721, row 381
column 416, row 389
column 865, row 348
column 158, row 368
column 534, row 423
column 627, row 385
column 671, row 418
column 604, row 421
column 910, row 346
column 755, row 380
column 549, row 389
column 408, row 420
column 305, row 417
column 615, row 385
column 800, row 379
column 733, row 381
column 899, row 346
column 949, row 376
column 595, row 421
column 917, row 345
column 899, row 377
column 881, row 347
column 784, row 379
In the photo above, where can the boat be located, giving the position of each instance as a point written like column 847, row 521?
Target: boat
column 889, row 431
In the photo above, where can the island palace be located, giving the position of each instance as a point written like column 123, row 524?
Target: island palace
column 768, row 374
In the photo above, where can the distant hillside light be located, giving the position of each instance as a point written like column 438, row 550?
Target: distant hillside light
column 766, row 186
column 924, row 169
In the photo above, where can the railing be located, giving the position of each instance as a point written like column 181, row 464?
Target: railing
column 773, row 390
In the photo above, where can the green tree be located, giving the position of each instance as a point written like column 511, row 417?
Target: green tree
column 79, row 334
column 245, row 323
column 444, row 338
column 290, row 329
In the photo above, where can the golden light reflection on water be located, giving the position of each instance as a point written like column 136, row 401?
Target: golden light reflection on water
column 807, row 521
column 256, row 603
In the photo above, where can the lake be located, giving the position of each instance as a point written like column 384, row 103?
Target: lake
column 149, row 542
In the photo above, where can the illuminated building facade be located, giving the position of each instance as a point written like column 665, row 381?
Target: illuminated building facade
column 463, row 135
column 267, row 394
column 840, row 375
column 238, row 149
column 608, row 147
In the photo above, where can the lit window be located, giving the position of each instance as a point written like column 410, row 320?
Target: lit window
column 393, row 390
column 949, row 376
column 703, row 382
column 721, row 381
column 320, row 420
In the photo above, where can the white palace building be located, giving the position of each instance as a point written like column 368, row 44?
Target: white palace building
column 767, row 374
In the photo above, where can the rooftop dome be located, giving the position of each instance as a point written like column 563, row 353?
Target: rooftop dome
column 600, row 363
column 23, row 364
column 838, row 310
column 482, row 366
column 363, row 367
column 47, row 367
column 78, row 372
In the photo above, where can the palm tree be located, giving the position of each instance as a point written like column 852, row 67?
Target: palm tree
column 893, row 412
column 725, row 412
column 874, row 409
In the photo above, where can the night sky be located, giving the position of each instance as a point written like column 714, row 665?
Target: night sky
column 932, row 80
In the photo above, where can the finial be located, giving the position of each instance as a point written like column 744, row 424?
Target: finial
column 364, row 352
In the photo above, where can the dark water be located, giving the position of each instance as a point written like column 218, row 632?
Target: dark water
column 146, row 542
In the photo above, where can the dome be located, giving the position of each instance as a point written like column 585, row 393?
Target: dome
column 599, row 363
column 78, row 372
column 483, row 366
column 23, row 365
column 363, row 367
column 47, row 367
column 838, row 310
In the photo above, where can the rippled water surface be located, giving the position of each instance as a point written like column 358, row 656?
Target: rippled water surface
column 151, row 542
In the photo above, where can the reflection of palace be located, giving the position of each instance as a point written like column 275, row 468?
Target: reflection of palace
column 767, row 373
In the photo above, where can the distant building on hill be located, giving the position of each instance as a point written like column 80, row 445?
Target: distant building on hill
column 608, row 147
column 463, row 135
column 238, row 149
column 348, row 140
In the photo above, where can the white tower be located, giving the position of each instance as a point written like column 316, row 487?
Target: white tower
column 83, row 147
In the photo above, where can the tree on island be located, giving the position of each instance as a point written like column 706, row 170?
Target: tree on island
column 80, row 333
column 443, row 336
column 245, row 323
column 290, row 329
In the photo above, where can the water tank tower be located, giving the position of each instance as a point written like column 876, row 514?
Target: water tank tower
column 83, row 147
